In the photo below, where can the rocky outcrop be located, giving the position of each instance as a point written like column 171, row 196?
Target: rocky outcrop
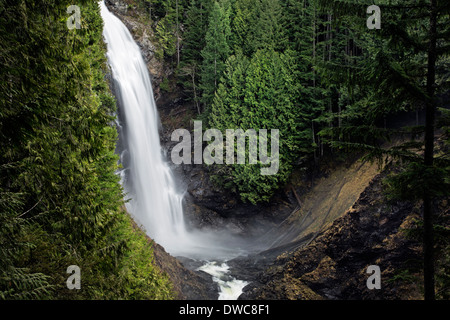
column 334, row 264
column 139, row 25
column 209, row 206
column 187, row 284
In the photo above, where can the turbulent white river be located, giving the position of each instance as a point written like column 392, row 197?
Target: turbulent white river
column 156, row 201
column 230, row 288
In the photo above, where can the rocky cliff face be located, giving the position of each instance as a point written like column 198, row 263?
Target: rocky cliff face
column 334, row 265
column 187, row 284
column 139, row 25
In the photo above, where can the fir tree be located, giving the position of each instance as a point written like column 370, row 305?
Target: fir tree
column 260, row 94
column 216, row 50
column 398, row 72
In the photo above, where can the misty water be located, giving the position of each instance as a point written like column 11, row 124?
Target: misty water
column 156, row 201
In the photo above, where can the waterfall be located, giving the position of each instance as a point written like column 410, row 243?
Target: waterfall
column 155, row 201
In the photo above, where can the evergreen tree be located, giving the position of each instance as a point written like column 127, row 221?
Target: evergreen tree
column 60, row 197
column 302, row 24
column 260, row 94
column 216, row 50
column 243, row 22
column 193, row 43
column 230, row 97
column 398, row 72
column 268, row 29
column 196, row 25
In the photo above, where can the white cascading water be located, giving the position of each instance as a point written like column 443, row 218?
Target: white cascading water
column 155, row 201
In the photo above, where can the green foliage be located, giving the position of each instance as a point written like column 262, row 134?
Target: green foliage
column 196, row 25
column 268, row 30
column 403, row 276
column 165, row 85
column 417, row 180
column 165, row 18
column 388, row 73
column 345, row 80
column 243, row 26
column 398, row 68
column 441, row 230
column 216, row 50
column 17, row 282
column 60, row 198
column 269, row 83
column 166, row 38
column 124, row 267
column 259, row 94
column 257, row 24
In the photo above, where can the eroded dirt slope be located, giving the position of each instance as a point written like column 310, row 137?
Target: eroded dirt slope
column 329, row 198
column 334, row 264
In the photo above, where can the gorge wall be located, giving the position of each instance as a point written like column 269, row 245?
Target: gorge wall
column 334, row 264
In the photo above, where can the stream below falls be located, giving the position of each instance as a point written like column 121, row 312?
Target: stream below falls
column 230, row 287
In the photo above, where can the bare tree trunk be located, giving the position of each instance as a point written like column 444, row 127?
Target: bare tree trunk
column 314, row 47
column 314, row 141
column 195, row 90
column 428, row 243
column 215, row 73
column 314, row 81
column 330, row 37
column 178, row 37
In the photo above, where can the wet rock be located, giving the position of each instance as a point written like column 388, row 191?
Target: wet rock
column 118, row 6
column 187, row 282
column 334, row 264
column 139, row 26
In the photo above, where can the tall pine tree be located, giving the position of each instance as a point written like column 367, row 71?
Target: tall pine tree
column 216, row 50
column 398, row 72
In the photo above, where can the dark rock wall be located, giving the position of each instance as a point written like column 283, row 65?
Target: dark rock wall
column 334, row 264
